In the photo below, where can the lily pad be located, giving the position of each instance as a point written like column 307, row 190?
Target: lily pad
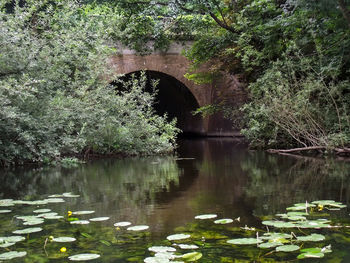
column 121, row 224
column 83, row 212
column 7, row 244
column 4, row 211
column 287, row 248
column 55, row 200
column 80, row 222
column 70, row 195
column 33, row 222
column 270, row 244
column 156, row 260
column 53, row 217
column 12, row 239
column 185, row 246
column 207, row 216
column 83, row 257
column 244, row 241
column 310, row 255
column 193, row 256
column 99, row 219
column 40, row 211
column 28, row 230
column 279, row 224
column 63, row 239
column 312, row 237
column 44, row 215
column 223, row 221
column 158, row 249
column 178, row 237
column 138, row 228
column 12, row 254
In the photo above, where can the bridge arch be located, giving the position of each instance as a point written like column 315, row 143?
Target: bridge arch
column 174, row 99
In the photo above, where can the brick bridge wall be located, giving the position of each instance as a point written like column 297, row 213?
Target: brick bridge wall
column 176, row 65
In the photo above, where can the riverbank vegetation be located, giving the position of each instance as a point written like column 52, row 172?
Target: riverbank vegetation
column 292, row 55
column 54, row 100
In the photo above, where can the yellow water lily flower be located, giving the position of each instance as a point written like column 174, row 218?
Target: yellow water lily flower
column 69, row 213
column 117, row 228
column 63, row 249
column 320, row 207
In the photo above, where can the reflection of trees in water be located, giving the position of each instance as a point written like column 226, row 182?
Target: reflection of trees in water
column 277, row 182
column 111, row 185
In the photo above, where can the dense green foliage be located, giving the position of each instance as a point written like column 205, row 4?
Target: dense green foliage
column 54, row 101
column 293, row 56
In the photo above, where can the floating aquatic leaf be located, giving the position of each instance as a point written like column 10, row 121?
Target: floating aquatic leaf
column 7, row 244
column 83, row 212
column 33, row 222
column 63, row 239
column 168, row 255
column 82, row 257
column 279, row 224
column 207, row 216
column 329, row 203
column 270, row 244
column 54, row 200
column 310, row 255
column 274, row 235
column 44, row 215
column 193, row 256
column 185, row 246
column 6, row 202
column 287, row 248
column 12, row 254
column 4, row 211
column 137, row 228
column 312, row 237
column 27, row 230
column 296, row 218
column 98, row 219
column 53, row 217
column 312, row 224
column 26, row 218
column 80, row 222
column 44, row 210
column 326, row 249
column 158, row 249
column 178, row 237
column 55, row 196
column 12, row 239
column 223, row 221
column 70, row 195
column 297, row 213
column 244, row 241
column 122, row 224
column 156, row 260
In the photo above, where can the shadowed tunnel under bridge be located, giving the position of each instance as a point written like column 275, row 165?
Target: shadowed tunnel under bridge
column 174, row 99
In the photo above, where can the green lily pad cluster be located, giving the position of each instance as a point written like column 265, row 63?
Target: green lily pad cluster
column 294, row 219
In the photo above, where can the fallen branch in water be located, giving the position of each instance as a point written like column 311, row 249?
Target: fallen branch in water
column 311, row 148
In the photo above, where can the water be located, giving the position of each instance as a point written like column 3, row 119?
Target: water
column 217, row 176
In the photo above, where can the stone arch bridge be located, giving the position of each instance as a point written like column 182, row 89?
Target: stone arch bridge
column 178, row 96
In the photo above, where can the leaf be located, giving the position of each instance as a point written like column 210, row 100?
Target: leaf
column 83, row 257
column 287, row 248
column 244, row 241
column 193, row 256
column 178, row 237
column 12, row 254
column 312, row 237
column 207, row 216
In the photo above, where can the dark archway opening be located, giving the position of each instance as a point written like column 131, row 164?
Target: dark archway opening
column 176, row 100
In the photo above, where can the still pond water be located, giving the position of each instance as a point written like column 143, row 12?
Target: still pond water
column 208, row 176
